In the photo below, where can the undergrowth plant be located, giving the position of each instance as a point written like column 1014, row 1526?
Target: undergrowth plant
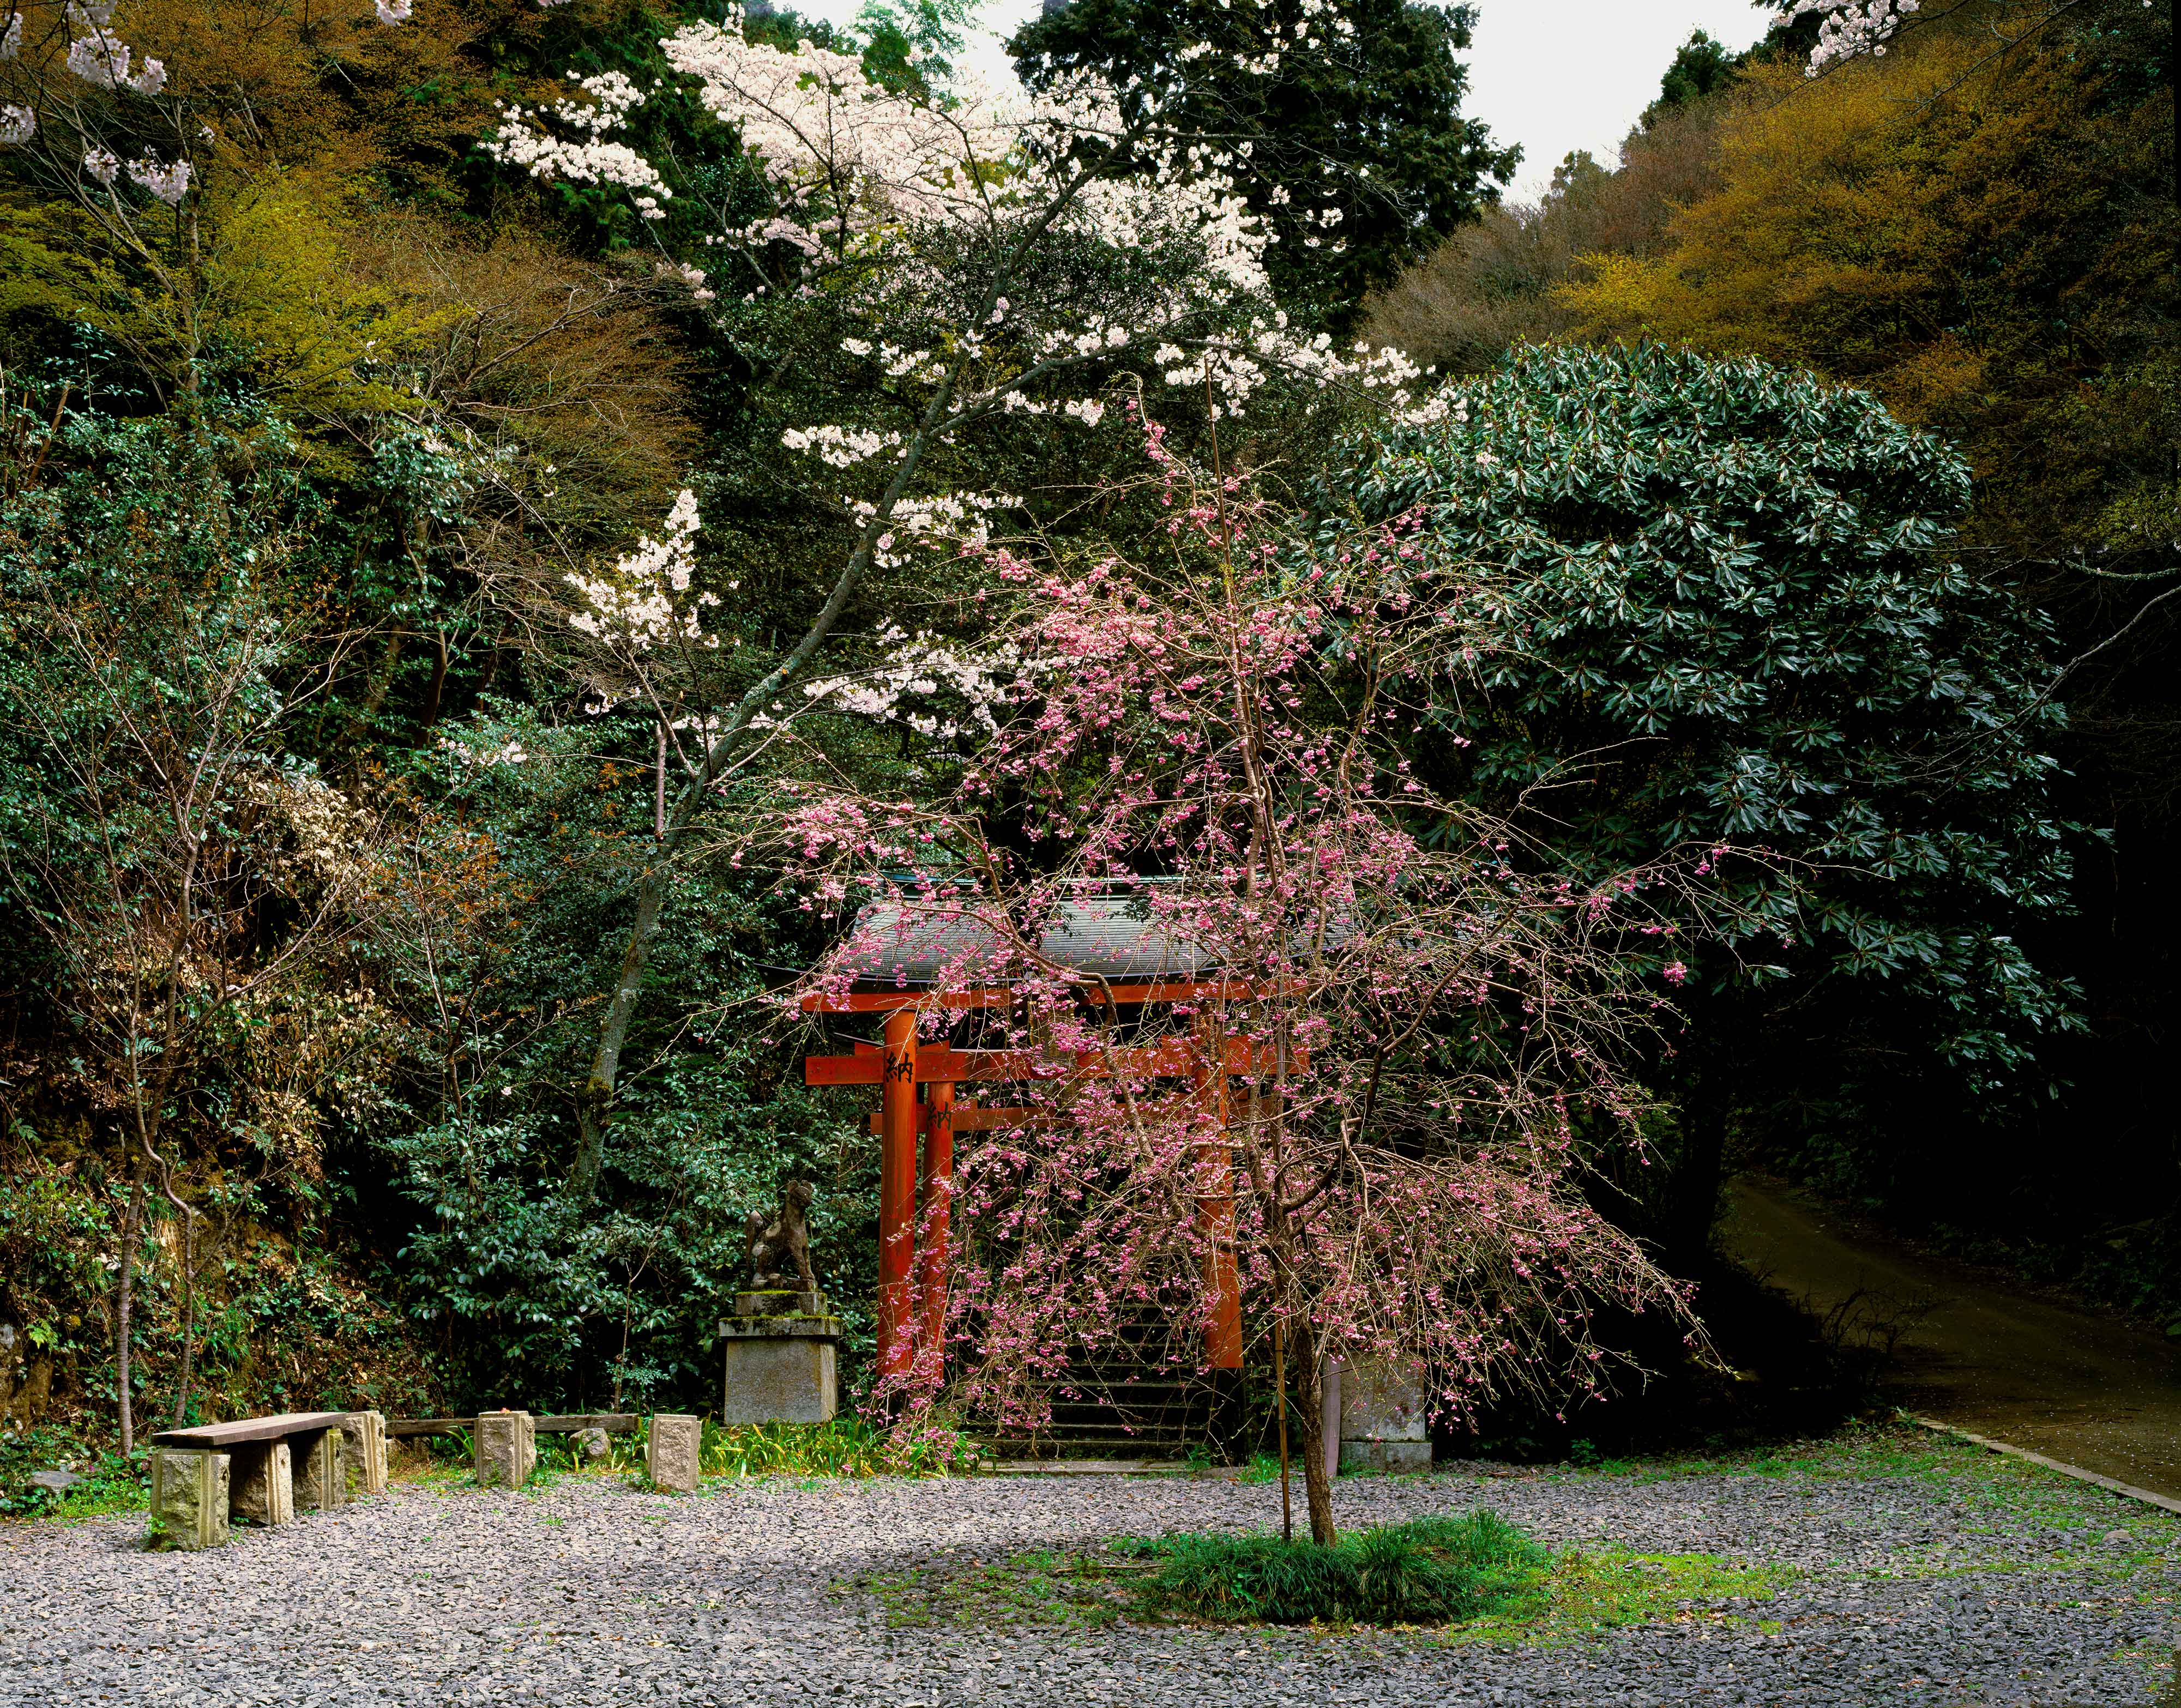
column 845, row 1446
column 1429, row 1571
column 106, row 1482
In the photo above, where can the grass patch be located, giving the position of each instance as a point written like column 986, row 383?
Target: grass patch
column 845, row 1446
column 1468, row 1580
column 106, row 1485
column 1040, row 1587
column 1586, row 1594
column 1428, row 1572
column 2003, row 1487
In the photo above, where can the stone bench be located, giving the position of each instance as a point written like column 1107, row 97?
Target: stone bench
column 261, row 1469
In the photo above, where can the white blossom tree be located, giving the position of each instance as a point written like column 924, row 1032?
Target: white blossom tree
column 1852, row 30
column 991, row 257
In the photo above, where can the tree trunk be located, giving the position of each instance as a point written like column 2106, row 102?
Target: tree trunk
column 439, row 681
column 1310, row 1422
column 189, row 1317
column 1280, row 1416
column 1699, row 1172
column 594, row 1097
column 131, row 1220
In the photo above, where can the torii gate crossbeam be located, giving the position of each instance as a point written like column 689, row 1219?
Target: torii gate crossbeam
column 901, row 1065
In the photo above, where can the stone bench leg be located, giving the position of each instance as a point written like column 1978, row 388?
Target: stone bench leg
column 670, row 1451
column 189, row 1496
column 262, row 1486
column 506, row 1449
column 363, row 1437
column 321, row 1477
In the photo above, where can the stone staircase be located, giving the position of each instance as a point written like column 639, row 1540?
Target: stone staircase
column 1125, row 1404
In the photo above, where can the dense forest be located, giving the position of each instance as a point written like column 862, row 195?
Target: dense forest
column 1978, row 229
column 475, row 475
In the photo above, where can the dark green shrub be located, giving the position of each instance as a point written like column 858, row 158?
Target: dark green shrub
column 1722, row 604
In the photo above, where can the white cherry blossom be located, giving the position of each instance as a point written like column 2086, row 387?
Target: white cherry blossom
column 169, row 182
column 1850, row 27
column 645, row 602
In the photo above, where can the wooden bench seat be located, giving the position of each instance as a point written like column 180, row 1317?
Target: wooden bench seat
column 276, row 1428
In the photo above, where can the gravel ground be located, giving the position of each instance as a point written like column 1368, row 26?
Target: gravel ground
column 1974, row 1586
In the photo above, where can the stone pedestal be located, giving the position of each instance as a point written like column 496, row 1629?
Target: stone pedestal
column 363, row 1452
column 189, row 1496
column 321, row 1476
column 670, row 1451
column 782, row 1358
column 1382, row 1418
column 261, row 1484
column 506, row 1449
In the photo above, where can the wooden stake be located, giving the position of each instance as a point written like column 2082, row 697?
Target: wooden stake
column 1280, row 1401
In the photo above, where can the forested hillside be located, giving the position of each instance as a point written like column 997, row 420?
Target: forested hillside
column 1980, row 229
column 476, row 475
column 374, row 384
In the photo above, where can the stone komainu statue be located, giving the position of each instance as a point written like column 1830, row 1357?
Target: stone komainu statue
column 780, row 1249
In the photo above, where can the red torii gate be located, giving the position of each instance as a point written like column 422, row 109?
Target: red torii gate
column 910, row 1197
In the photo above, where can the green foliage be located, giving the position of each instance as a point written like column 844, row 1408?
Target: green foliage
column 911, row 45
column 1369, row 129
column 1723, row 613
column 1978, row 228
column 1428, row 1571
column 342, row 433
column 845, row 1446
column 105, row 1482
column 536, row 1298
column 2010, row 284
column 1497, row 284
column 1702, row 66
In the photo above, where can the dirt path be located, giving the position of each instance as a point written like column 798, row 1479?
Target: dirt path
column 2083, row 1388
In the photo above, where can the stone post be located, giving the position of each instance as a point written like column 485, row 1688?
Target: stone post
column 506, row 1449
column 1383, row 1426
column 672, row 1451
column 321, row 1477
column 363, row 1450
column 261, row 1484
column 189, row 1496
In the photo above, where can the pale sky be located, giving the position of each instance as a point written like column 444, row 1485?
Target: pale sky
column 1554, row 76
column 1557, row 75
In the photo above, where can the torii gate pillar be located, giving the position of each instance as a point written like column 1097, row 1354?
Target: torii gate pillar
column 935, row 1216
column 898, row 1125
column 1215, row 1205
